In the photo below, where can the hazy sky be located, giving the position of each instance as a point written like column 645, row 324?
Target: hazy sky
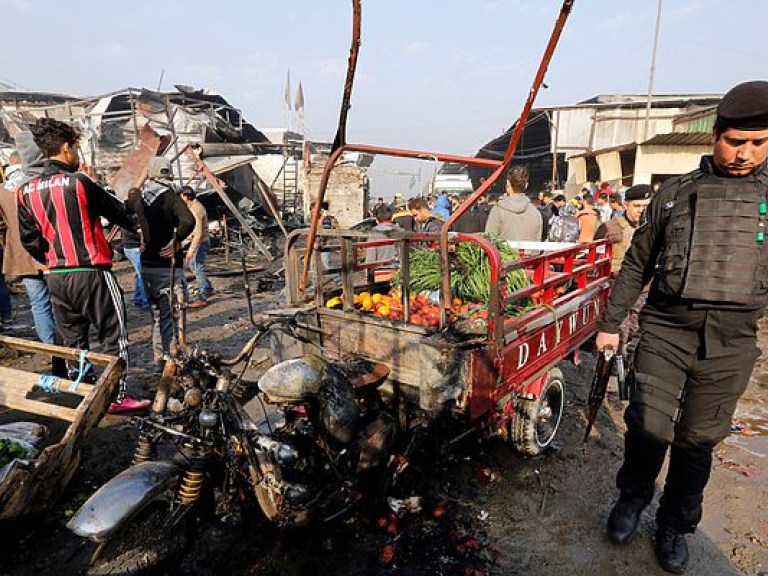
column 438, row 75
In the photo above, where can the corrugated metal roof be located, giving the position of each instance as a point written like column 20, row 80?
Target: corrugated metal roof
column 680, row 139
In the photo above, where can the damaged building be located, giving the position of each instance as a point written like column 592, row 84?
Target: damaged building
column 263, row 181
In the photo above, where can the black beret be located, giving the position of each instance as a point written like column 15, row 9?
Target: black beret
column 638, row 192
column 744, row 107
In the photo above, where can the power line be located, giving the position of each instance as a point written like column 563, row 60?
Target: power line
column 6, row 84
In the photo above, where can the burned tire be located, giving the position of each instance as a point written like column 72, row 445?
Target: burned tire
column 536, row 421
column 144, row 543
column 267, row 503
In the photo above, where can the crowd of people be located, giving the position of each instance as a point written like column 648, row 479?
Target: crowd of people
column 54, row 241
column 513, row 216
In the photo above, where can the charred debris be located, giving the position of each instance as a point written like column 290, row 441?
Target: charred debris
column 257, row 185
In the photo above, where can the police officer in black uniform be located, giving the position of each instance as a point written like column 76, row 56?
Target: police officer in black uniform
column 704, row 250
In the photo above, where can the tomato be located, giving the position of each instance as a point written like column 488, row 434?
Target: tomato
column 417, row 319
column 376, row 298
column 387, row 554
column 383, row 311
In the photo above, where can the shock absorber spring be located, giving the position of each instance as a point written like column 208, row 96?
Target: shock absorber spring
column 145, row 449
column 192, row 481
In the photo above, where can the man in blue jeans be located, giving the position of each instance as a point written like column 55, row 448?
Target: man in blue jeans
column 200, row 244
column 132, row 251
column 16, row 260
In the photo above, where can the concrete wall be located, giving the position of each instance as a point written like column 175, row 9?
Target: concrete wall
column 652, row 160
column 347, row 193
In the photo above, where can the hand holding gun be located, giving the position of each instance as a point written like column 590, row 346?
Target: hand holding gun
column 606, row 359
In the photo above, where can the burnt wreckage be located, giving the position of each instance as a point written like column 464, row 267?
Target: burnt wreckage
column 212, row 148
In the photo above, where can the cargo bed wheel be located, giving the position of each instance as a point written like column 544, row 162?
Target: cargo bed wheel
column 536, row 421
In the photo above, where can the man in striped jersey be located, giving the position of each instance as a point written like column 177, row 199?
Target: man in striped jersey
column 59, row 215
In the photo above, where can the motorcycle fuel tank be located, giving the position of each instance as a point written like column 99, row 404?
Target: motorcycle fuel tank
column 293, row 379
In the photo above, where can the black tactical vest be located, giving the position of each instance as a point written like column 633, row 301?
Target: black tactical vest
column 712, row 252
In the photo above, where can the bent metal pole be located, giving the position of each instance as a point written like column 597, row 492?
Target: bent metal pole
column 338, row 142
column 501, row 170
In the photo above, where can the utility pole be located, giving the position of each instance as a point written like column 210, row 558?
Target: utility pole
column 652, row 71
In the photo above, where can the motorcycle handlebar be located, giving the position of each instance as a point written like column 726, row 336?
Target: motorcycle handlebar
column 264, row 325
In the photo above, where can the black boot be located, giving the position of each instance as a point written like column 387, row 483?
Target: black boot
column 671, row 549
column 623, row 520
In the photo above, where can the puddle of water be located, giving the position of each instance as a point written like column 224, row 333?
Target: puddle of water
column 755, row 445
column 750, row 433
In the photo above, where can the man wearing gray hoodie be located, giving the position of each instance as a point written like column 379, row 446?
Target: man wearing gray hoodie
column 514, row 217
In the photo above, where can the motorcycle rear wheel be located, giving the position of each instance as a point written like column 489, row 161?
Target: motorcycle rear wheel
column 536, row 421
column 144, row 543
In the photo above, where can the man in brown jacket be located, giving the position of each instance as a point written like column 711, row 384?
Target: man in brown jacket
column 199, row 245
column 17, row 261
column 619, row 231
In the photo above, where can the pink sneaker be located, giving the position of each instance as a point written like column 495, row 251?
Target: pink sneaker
column 127, row 404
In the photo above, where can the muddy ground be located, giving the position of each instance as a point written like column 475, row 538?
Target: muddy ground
column 487, row 510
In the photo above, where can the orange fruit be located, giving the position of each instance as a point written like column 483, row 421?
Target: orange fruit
column 384, row 310
column 376, row 298
column 366, row 302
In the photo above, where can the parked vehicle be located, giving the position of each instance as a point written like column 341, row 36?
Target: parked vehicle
column 494, row 366
column 452, row 179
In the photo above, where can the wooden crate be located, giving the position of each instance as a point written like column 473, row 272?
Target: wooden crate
column 32, row 489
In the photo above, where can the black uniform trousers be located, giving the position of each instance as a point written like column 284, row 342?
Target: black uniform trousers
column 85, row 298
column 691, row 366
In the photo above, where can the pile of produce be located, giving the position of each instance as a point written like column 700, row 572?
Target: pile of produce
column 424, row 312
column 470, row 271
column 380, row 305
column 11, row 450
column 470, row 286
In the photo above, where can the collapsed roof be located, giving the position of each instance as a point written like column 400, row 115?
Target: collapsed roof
column 114, row 126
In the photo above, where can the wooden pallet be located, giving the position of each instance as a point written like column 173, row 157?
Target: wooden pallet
column 34, row 488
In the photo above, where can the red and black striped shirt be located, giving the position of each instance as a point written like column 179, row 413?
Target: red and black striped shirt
column 60, row 218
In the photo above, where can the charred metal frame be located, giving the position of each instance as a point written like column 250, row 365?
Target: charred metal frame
column 500, row 167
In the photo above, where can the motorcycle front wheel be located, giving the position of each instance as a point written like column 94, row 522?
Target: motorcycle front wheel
column 146, row 542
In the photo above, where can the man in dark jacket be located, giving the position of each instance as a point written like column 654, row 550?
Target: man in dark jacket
column 702, row 246
column 165, row 221
column 473, row 220
column 59, row 214
column 424, row 216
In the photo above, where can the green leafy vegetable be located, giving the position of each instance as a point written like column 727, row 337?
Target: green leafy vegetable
column 470, row 271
